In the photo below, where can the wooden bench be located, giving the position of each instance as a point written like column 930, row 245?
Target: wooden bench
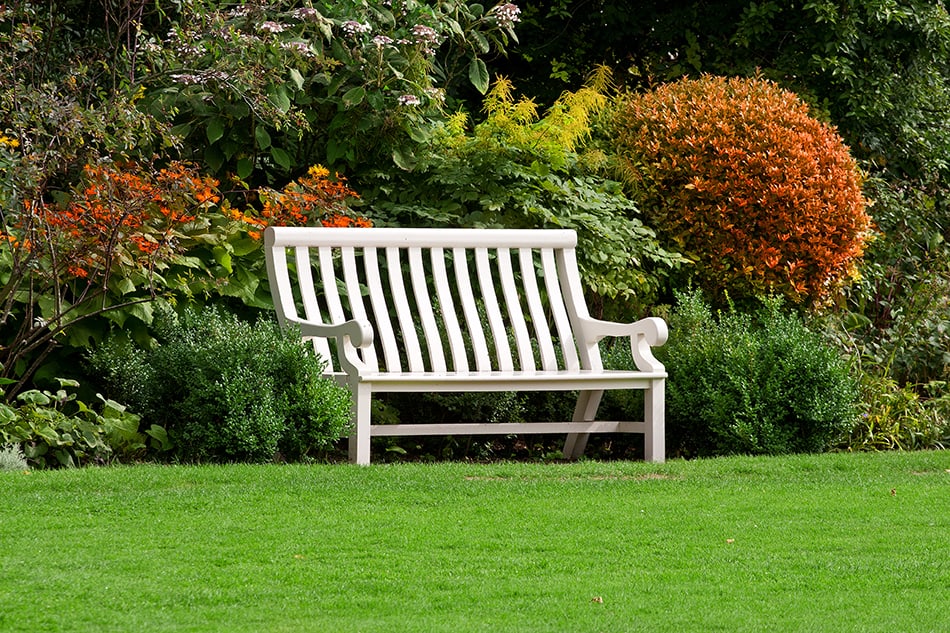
column 452, row 310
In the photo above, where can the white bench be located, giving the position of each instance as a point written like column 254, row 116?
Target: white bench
column 441, row 310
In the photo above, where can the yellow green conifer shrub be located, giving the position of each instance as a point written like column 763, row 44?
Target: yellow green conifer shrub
column 736, row 174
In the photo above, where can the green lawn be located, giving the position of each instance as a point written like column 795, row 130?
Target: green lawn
column 810, row 543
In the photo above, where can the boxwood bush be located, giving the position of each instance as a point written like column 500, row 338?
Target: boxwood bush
column 226, row 389
column 752, row 383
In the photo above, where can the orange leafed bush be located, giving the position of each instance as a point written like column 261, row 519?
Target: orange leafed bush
column 118, row 215
column 736, row 173
column 314, row 197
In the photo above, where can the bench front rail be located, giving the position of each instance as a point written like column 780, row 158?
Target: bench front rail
column 441, row 310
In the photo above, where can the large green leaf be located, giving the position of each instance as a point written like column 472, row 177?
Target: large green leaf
column 244, row 167
column 297, row 78
column 404, row 160
column 354, row 96
column 215, row 130
column 478, row 75
column 279, row 99
column 280, row 157
column 262, row 136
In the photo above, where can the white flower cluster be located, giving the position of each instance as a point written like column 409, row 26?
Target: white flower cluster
column 382, row 40
column 305, row 13
column 299, row 47
column 271, row 27
column 409, row 100
column 425, row 34
column 185, row 43
column 507, row 14
column 191, row 79
column 151, row 46
column 352, row 27
column 437, row 94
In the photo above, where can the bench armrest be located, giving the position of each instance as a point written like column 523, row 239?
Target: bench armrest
column 349, row 336
column 644, row 334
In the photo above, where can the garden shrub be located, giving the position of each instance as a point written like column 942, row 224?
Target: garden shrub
column 96, row 255
column 519, row 169
column 895, row 319
column 740, row 178
column 227, row 389
column 57, row 429
column 899, row 418
column 752, row 383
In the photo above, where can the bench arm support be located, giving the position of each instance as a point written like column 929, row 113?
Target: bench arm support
column 350, row 335
column 644, row 334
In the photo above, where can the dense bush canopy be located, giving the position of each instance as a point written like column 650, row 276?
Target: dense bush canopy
column 737, row 174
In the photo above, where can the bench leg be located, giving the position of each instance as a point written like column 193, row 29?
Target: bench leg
column 585, row 411
column 654, row 439
column 359, row 437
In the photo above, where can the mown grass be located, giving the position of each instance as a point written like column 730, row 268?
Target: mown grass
column 806, row 543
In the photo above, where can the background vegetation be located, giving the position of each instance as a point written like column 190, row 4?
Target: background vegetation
column 144, row 146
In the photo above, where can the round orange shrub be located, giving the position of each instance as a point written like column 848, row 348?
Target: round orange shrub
column 736, row 174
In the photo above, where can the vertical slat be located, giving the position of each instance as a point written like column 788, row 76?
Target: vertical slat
column 311, row 306
column 496, row 323
column 515, row 314
column 562, row 322
column 384, row 327
column 536, row 309
column 430, row 329
column 282, row 292
column 447, row 307
column 403, row 314
column 355, row 295
column 470, row 310
column 330, row 291
column 577, row 306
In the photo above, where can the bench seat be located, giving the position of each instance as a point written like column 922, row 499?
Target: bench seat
column 560, row 380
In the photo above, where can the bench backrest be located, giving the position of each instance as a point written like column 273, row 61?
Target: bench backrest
column 438, row 300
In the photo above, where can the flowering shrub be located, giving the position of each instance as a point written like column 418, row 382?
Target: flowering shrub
column 358, row 81
column 100, row 250
column 735, row 173
column 313, row 198
column 127, row 231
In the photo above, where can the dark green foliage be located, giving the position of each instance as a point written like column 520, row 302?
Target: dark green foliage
column 757, row 383
column 226, row 389
column 879, row 68
column 896, row 320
